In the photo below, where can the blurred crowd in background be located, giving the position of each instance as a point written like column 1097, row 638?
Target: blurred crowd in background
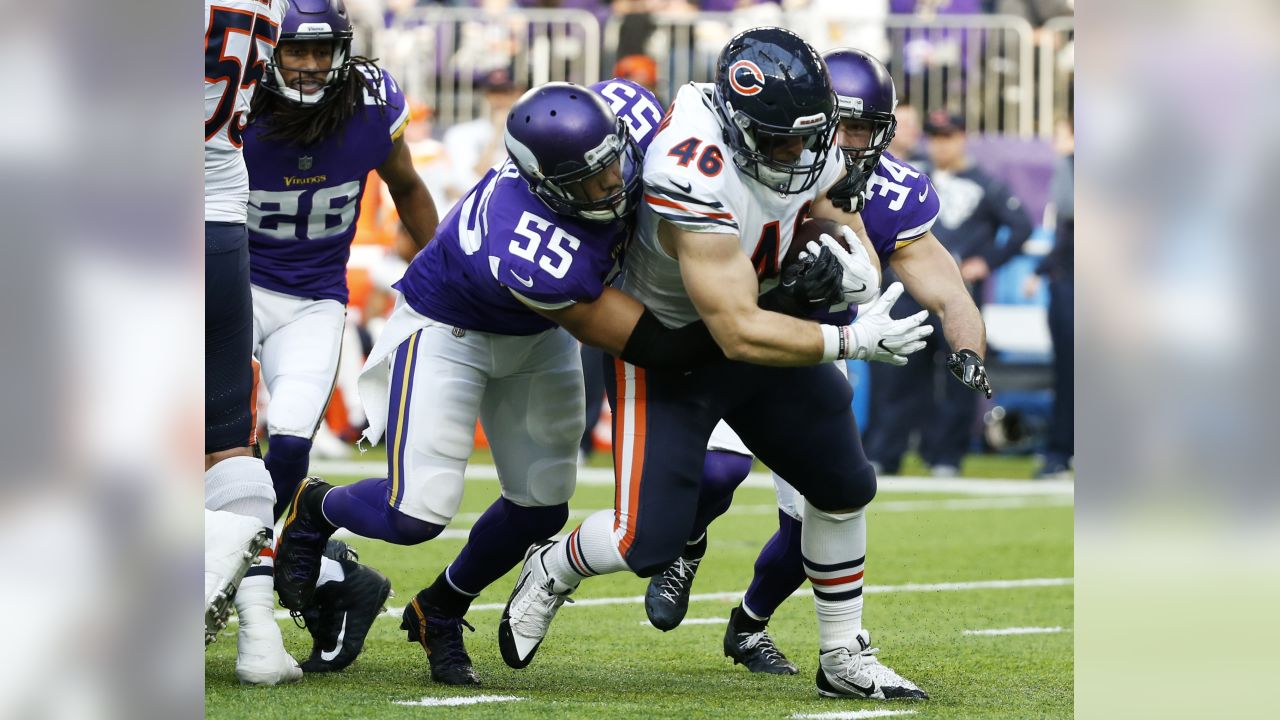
column 985, row 90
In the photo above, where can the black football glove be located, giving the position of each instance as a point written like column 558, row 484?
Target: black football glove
column 807, row 285
column 968, row 369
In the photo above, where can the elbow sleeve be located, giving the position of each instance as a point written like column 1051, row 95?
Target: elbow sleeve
column 653, row 345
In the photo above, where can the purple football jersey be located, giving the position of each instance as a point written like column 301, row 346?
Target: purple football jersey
column 901, row 206
column 501, row 238
column 304, row 201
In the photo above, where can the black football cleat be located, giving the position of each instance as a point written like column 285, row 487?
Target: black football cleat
column 754, row 648
column 441, row 636
column 302, row 542
column 667, row 599
column 341, row 613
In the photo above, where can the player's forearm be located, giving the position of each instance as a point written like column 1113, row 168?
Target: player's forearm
column 767, row 338
column 962, row 324
column 417, row 211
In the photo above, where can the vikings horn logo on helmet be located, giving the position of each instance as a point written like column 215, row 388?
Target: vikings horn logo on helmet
column 746, row 78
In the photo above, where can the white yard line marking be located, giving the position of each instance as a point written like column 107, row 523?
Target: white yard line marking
column 1016, row 631
column 696, row 621
column 463, row 521
column 888, row 483
column 451, row 701
column 802, row 592
column 853, row 714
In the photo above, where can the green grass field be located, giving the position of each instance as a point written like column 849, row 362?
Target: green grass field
column 605, row 661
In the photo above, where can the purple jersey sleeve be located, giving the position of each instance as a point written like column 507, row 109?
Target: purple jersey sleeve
column 901, row 206
column 388, row 90
column 638, row 107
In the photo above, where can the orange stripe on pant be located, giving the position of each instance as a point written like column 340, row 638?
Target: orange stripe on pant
column 619, row 434
column 636, row 441
column 253, row 402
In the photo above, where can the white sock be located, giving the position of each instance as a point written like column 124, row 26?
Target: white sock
column 589, row 550
column 256, row 601
column 243, row 486
column 834, row 548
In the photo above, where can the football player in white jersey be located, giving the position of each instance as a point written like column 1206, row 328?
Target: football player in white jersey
column 239, row 36
column 898, row 206
column 734, row 170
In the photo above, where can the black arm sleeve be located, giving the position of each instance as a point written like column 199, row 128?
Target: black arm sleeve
column 653, row 345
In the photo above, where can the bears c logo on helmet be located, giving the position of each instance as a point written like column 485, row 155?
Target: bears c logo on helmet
column 746, row 78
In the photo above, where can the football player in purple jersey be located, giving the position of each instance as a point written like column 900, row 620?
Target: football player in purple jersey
column 486, row 328
column 324, row 121
column 898, row 207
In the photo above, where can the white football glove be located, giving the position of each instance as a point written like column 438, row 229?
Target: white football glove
column 876, row 336
column 861, row 280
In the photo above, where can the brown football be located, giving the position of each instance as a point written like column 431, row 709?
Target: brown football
column 809, row 231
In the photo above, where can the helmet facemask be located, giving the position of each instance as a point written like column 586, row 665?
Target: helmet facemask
column 788, row 160
column 328, row 80
column 860, row 160
column 601, row 191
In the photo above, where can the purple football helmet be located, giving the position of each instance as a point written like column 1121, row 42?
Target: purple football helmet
column 865, row 92
column 576, row 155
column 312, row 21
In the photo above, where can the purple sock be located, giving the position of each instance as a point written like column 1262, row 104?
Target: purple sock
column 363, row 508
column 722, row 473
column 498, row 541
column 779, row 569
column 287, row 460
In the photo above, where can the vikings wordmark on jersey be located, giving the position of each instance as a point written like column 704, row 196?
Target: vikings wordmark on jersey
column 306, row 200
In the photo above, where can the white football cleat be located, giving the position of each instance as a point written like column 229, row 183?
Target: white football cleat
column 845, row 673
column 530, row 609
column 231, row 545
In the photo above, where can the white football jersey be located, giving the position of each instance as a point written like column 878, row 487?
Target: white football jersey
column 690, row 181
column 239, row 36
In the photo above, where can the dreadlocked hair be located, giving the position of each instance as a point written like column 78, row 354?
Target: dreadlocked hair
column 302, row 125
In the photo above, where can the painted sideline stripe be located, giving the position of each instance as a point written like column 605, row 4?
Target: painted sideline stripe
column 802, row 592
column 450, row 701
column 853, row 714
column 887, row 483
column 1016, row 631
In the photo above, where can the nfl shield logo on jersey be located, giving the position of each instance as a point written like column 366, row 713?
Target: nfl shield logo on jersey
column 304, row 162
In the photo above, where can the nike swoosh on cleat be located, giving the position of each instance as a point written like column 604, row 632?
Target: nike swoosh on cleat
column 868, row 691
column 329, row 655
column 526, row 283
